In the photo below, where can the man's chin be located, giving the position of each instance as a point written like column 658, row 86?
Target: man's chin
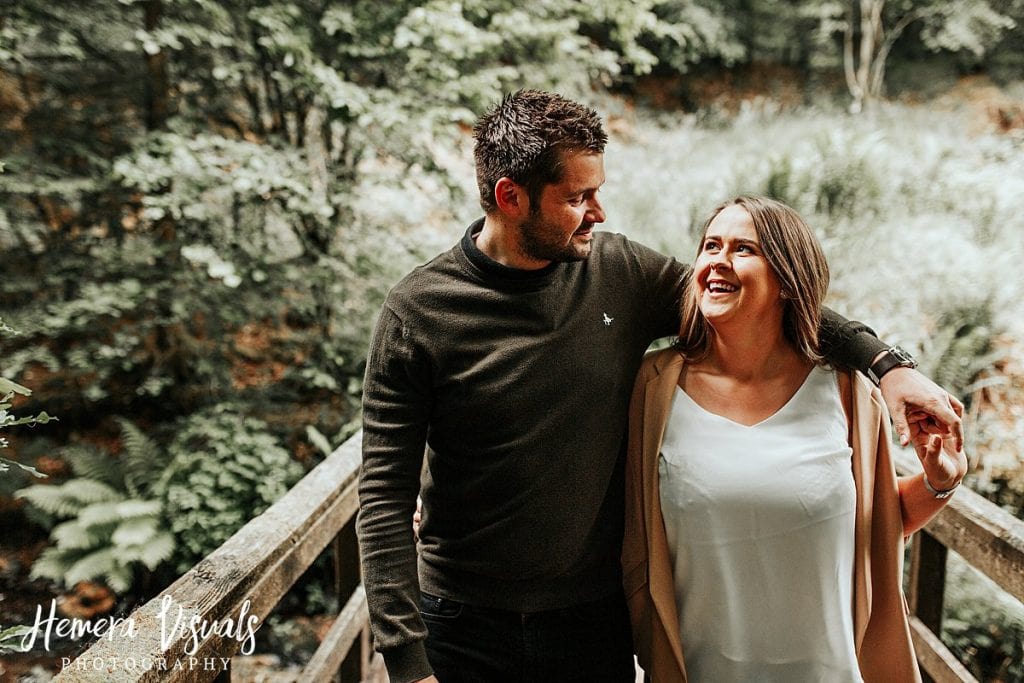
column 578, row 252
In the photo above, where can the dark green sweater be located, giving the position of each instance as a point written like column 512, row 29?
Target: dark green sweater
column 517, row 383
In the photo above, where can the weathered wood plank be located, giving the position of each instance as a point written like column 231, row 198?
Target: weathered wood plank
column 988, row 537
column 339, row 640
column 935, row 658
column 256, row 566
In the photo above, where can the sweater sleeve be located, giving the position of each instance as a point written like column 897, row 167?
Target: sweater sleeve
column 847, row 343
column 396, row 402
column 663, row 281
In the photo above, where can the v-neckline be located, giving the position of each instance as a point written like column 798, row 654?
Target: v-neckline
column 759, row 423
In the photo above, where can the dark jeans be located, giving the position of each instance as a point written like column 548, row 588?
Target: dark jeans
column 589, row 642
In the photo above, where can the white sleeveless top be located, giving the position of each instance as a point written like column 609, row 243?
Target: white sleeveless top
column 760, row 524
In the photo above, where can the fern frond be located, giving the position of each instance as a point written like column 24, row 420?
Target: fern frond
column 118, row 578
column 157, row 551
column 75, row 535
column 91, row 463
column 100, row 513
column 142, row 459
column 53, row 564
column 91, row 566
column 131, row 509
column 134, row 531
column 90, row 491
column 50, row 499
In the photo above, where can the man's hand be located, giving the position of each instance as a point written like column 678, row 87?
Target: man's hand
column 913, row 398
column 416, row 517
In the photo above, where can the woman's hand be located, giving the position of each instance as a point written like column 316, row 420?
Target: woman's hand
column 944, row 465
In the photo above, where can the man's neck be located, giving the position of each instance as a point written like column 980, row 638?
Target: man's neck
column 500, row 242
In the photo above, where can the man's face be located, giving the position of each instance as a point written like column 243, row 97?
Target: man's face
column 560, row 225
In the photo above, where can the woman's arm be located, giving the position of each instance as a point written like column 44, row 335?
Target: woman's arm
column 944, row 467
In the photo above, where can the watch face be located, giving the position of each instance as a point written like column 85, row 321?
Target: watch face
column 902, row 357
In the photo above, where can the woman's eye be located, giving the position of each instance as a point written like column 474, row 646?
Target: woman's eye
column 710, row 245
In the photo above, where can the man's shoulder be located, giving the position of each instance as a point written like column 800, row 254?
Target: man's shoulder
column 614, row 246
column 439, row 270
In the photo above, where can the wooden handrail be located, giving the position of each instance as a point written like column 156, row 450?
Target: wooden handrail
column 987, row 537
column 258, row 565
column 247, row 575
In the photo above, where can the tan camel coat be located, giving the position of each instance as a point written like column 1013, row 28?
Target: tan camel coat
column 881, row 628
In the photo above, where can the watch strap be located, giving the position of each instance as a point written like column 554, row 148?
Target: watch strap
column 894, row 357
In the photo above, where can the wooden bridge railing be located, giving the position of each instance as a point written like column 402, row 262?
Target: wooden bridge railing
column 244, row 578
column 988, row 538
column 250, row 573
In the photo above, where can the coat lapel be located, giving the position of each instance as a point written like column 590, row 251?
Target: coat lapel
column 657, row 405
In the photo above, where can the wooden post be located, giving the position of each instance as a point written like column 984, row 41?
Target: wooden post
column 346, row 578
column 927, row 583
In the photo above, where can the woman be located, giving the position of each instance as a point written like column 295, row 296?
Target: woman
column 765, row 522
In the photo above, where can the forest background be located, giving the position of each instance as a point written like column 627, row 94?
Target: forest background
column 202, row 205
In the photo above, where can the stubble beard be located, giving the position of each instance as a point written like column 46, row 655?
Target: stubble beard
column 540, row 241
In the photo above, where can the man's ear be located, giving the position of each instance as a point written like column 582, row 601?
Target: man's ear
column 511, row 198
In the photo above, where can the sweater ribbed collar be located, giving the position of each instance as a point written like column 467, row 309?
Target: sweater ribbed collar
column 498, row 273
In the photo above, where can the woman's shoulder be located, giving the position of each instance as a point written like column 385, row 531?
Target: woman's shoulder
column 655, row 361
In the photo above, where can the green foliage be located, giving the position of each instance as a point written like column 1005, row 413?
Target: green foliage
column 960, row 348
column 225, row 469
column 982, row 626
column 7, row 420
column 10, row 638
column 107, row 525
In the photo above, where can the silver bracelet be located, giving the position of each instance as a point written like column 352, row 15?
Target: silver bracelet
column 940, row 494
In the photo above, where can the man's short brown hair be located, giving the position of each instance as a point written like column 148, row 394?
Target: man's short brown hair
column 525, row 138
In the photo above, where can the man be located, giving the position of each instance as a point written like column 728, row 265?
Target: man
column 510, row 359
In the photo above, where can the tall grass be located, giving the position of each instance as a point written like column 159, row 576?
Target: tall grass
column 916, row 215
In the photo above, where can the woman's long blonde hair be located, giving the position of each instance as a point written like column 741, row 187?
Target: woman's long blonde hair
column 796, row 257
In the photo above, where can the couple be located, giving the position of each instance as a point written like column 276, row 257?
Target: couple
column 511, row 361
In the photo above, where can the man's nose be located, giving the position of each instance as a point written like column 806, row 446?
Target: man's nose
column 595, row 214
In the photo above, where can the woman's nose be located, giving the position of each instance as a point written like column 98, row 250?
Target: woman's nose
column 720, row 262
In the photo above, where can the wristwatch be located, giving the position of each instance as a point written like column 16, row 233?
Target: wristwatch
column 894, row 357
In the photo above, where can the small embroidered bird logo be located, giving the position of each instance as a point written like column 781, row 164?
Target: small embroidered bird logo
column 607, row 320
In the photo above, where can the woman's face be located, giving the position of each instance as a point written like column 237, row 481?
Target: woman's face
column 734, row 282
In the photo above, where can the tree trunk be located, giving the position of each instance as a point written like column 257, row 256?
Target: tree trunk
column 863, row 40
column 157, row 86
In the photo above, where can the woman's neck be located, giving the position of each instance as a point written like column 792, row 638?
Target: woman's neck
column 751, row 355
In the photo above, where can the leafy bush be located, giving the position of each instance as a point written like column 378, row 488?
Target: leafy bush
column 7, row 420
column 108, row 524
column 225, row 469
column 960, row 348
column 982, row 625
